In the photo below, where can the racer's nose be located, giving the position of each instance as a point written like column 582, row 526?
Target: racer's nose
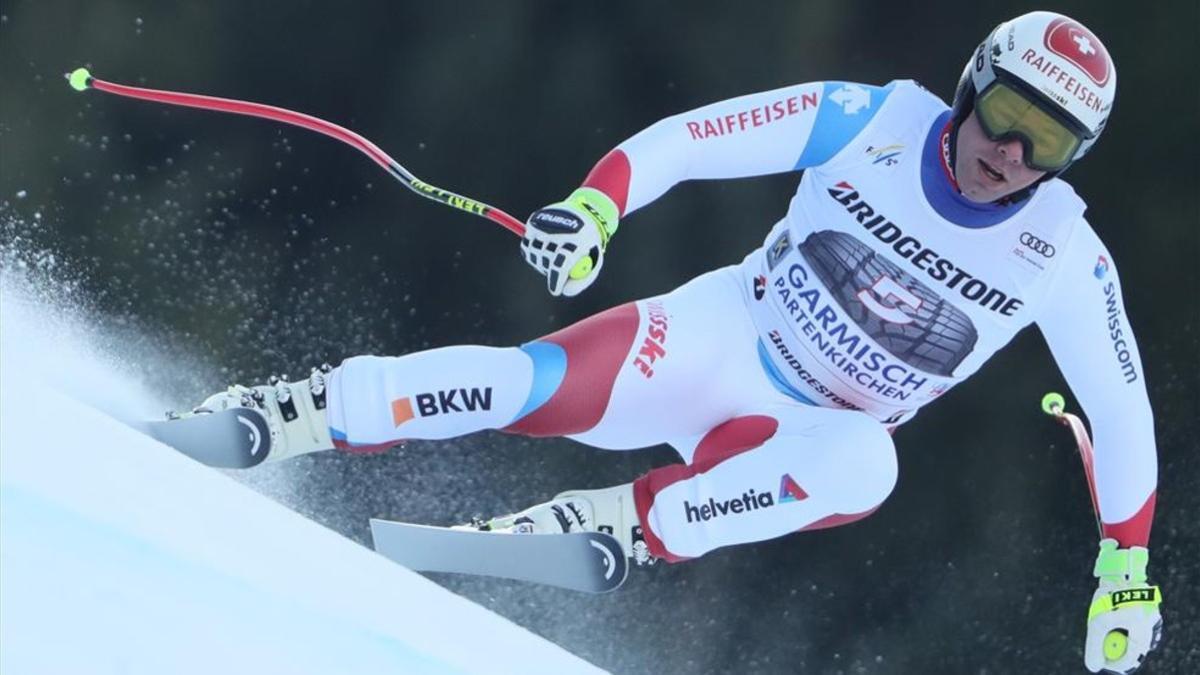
column 1011, row 150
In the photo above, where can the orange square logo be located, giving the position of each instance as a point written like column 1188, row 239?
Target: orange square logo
column 402, row 411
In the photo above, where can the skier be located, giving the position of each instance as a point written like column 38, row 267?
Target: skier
column 921, row 239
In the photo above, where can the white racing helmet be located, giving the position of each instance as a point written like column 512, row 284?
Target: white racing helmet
column 1045, row 79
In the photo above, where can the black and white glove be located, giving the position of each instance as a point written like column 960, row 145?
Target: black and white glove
column 566, row 240
column 1124, row 622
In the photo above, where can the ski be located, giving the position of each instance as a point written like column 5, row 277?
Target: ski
column 592, row 562
column 238, row 438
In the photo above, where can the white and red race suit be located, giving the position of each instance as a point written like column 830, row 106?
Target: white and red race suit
column 778, row 379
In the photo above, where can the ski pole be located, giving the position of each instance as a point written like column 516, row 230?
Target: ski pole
column 1054, row 405
column 80, row 79
column 1116, row 642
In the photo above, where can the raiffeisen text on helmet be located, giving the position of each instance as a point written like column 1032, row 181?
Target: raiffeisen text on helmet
column 1065, row 81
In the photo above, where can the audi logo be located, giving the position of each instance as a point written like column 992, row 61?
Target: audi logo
column 1038, row 245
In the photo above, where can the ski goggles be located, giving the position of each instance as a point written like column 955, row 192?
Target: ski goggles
column 1005, row 112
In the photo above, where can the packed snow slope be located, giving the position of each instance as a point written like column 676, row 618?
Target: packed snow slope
column 120, row 556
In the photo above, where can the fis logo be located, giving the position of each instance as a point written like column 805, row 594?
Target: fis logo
column 441, row 403
column 750, row 500
column 1101, row 267
column 888, row 155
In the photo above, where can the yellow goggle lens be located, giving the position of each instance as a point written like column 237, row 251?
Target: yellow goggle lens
column 1004, row 111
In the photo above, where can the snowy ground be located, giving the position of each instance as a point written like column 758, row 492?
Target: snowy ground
column 120, row 556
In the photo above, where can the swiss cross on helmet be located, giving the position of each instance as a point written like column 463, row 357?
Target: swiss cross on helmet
column 1047, row 80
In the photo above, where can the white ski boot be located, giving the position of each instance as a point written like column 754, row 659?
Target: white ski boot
column 295, row 411
column 609, row 510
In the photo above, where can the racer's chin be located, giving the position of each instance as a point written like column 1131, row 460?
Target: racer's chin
column 981, row 191
column 983, row 181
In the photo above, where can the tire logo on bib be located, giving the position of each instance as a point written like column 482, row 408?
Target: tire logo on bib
column 894, row 309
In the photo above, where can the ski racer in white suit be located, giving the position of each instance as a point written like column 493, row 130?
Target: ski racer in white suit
column 921, row 239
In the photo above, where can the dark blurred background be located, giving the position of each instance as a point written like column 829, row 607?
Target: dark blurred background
column 238, row 248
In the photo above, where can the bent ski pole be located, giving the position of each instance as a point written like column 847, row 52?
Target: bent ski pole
column 1054, row 405
column 80, row 79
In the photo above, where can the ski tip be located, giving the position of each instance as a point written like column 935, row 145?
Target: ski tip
column 236, row 438
column 1053, row 403
column 79, row 79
